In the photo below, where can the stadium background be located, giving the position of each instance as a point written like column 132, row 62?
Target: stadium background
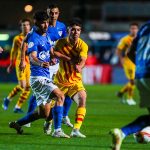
column 105, row 22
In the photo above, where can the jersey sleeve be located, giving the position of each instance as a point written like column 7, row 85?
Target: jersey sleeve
column 121, row 44
column 14, row 48
column 32, row 44
column 58, row 46
column 84, row 50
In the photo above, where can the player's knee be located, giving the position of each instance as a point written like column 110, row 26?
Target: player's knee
column 60, row 98
column 80, row 98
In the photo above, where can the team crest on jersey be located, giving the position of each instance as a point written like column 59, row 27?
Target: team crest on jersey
column 43, row 55
column 60, row 33
column 31, row 44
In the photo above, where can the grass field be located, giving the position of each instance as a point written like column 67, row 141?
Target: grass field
column 104, row 111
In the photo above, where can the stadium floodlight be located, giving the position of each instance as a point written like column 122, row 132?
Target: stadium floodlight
column 28, row 8
column 4, row 37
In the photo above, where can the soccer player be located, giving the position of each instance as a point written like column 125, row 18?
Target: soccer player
column 43, row 88
column 128, row 66
column 56, row 30
column 68, row 77
column 23, row 76
column 139, row 53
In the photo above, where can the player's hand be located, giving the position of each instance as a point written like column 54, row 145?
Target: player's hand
column 53, row 61
column 45, row 64
column 78, row 68
column 22, row 65
column 9, row 69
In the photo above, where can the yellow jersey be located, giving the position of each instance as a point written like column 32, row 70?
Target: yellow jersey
column 66, row 74
column 125, row 44
column 16, row 48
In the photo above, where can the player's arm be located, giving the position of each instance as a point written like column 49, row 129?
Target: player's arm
column 120, row 49
column 82, row 58
column 56, row 52
column 13, row 55
column 23, row 54
column 34, row 60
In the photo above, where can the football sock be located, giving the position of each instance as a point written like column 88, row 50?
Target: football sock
column 14, row 92
column 67, row 105
column 30, row 117
column 130, row 91
column 23, row 97
column 136, row 125
column 32, row 104
column 80, row 114
column 57, row 116
column 124, row 89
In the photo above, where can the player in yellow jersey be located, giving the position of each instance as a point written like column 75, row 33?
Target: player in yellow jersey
column 69, row 78
column 22, row 76
column 128, row 66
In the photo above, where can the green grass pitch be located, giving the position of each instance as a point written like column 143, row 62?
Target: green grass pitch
column 104, row 111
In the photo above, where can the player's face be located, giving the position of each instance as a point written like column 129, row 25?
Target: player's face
column 25, row 26
column 53, row 14
column 43, row 26
column 133, row 30
column 74, row 32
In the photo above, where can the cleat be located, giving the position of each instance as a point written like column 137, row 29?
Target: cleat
column 131, row 102
column 77, row 133
column 28, row 125
column 47, row 128
column 117, row 138
column 67, row 122
column 18, row 110
column 5, row 103
column 60, row 134
column 120, row 96
column 16, row 126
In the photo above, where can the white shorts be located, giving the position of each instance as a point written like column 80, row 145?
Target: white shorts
column 143, row 86
column 53, row 70
column 42, row 88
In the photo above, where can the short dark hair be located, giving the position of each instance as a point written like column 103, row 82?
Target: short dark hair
column 40, row 16
column 24, row 20
column 133, row 24
column 75, row 21
column 51, row 6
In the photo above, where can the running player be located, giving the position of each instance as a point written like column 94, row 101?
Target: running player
column 128, row 66
column 39, row 53
column 56, row 30
column 23, row 76
column 68, row 77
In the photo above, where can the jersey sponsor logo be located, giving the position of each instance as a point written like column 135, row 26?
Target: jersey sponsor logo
column 43, row 55
column 30, row 45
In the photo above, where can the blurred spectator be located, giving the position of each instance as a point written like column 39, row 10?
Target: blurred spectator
column 1, row 50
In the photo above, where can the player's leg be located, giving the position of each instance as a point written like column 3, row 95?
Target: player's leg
column 30, row 117
column 67, row 105
column 80, row 98
column 32, row 104
column 23, row 96
column 130, row 73
column 8, row 99
column 58, row 113
column 23, row 78
column 131, row 87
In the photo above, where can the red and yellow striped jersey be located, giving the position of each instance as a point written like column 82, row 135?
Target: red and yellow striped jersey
column 125, row 44
column 16, row 48
column 66, row 73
